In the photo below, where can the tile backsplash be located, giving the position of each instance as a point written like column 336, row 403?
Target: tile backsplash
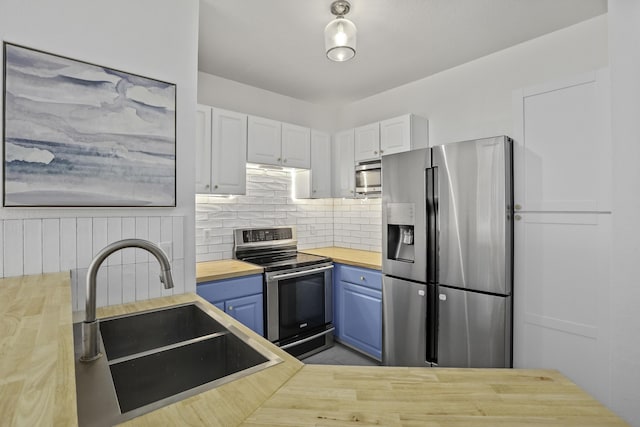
column 319, row 222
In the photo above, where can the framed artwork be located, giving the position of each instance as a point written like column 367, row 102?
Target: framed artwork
column 79, row 134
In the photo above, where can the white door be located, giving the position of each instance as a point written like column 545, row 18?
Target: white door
column 264, row 141
column 320, row 164
column 296, row 146
column 203, row 149
column 343, row 164
column 395, row 135
column 562, row 150
column 367, row 142
column 562, row 296
column 229, row 152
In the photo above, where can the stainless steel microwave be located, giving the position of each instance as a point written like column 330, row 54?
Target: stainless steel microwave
column 369, row 178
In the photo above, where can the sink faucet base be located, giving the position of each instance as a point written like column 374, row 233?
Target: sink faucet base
column 90, row 347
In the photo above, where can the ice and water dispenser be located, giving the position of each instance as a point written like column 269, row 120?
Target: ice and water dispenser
column 400, row 232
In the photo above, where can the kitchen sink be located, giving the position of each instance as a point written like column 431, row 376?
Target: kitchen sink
column 158, row 357
column 140, row 332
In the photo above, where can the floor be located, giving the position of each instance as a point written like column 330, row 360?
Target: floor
column 340, row 355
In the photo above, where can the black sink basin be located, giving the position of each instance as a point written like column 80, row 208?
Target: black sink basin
column 147, row 379
column 137, row 333
column 159, row 357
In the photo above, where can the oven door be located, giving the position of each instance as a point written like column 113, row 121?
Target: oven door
column 299, row 303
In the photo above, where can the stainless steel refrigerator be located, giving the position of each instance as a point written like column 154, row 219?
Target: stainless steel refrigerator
column 447, row 255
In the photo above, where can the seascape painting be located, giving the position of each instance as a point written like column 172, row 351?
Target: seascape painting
column 78, row 134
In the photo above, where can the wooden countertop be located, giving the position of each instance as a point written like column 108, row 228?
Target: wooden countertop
column 37, row 381
column 37, row 376
column 349, row 395
column 224, row 269
column 357, row 257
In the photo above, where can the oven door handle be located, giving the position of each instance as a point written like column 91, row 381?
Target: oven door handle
column 312, row 337
column 300, row 273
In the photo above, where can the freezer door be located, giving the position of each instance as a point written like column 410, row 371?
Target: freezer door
column 473, row 329
column 474, row 198
column 404, row 311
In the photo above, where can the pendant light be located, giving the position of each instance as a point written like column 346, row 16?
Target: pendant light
column 340, row 34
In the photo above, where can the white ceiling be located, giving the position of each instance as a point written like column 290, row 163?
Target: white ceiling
column 278, row 45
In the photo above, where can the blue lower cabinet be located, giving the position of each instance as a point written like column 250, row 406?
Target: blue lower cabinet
column 358, row 308
column 248, row 311
column 240, row 297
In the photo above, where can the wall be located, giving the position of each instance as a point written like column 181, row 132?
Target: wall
column 230, row 95
column 130, row 36
column 473, row 100
column 268, row 202
column 357, row 224
column 624, row 57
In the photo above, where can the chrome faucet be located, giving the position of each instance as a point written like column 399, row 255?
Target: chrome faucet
column 90, row 350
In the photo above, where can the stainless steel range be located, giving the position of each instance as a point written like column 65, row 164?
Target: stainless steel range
column 297, row 288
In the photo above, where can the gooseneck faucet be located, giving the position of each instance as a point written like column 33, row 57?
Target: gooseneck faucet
column 90, row 350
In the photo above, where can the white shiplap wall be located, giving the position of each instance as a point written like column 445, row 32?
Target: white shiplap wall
column 321, row 222
column 46, row 245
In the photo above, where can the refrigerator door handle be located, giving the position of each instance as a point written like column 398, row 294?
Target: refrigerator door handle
column 432, row 324
column 432, row 225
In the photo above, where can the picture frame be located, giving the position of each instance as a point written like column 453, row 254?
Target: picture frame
column 76, row 134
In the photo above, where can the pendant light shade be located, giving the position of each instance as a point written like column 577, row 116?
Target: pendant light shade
column 340, row 34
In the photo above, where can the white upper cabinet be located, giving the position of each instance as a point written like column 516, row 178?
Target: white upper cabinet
column 203, row 149
column 229, row 152
column 562, row 149
column 296, row 146
column 343, row 164
column 367, row 142
column 221, row 151
column 316, row 183
column 404, row 133
column 264, row 141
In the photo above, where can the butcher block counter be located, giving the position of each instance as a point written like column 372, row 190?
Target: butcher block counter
column 207, row 271
column 356, row 257
column 37, row 382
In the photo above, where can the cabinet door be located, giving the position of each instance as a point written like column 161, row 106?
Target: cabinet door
column 562, row 149
column 320, row 164
column 229, row 152
column 296, row 146
column 343, row 164
column 248, row 311
column 367, row 142
column 361, row 318
column 395, row 135
column 264, row 141
column 203, row 149
column 562, row 296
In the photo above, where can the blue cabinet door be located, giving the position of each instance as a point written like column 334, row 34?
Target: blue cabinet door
column 362, row 318
column 358, row 308
column 248, row 311
column 240, row 297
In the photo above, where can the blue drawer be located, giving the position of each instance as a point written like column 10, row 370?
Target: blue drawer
column 222, row 290
column 361, row 276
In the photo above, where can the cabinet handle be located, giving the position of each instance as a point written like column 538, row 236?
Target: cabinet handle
column 381, row 151
column 361, row 277
column 215, row 186
column 206, row 186
column 314, row 191
column 279, row 159
column 375, row 152
column 517, row 217
column 230, row 308
column 285, row 160
column 517, row 207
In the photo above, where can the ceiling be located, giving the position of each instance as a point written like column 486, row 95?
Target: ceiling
column 278, row 45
